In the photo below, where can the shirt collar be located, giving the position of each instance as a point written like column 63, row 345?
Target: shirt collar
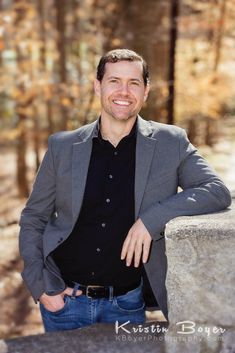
column 97, row 132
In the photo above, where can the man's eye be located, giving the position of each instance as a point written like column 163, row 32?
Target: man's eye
column 135, row 83
column 113, row 81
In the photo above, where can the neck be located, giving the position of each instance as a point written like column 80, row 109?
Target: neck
column 114, row 131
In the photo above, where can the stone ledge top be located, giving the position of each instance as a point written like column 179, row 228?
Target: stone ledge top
column 218, row 224
column 99, row 338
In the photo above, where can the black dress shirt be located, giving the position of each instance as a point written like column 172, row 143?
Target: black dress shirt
column 92, row 252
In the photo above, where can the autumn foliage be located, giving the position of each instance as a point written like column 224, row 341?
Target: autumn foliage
column 49, row 51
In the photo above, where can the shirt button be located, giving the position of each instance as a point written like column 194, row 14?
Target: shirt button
column 115, row 153
column 98, row 249
column 103, row 224
column 110, row 176
column 107, row 200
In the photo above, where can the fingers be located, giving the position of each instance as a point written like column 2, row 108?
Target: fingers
column 130, row 251
column 52, row 303
column 142, row 247
column 125, row 246
column 136, row 247
column 69, row 291
column 146, row 249
column 136, row 244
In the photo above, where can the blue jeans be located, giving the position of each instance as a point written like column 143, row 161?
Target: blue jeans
column 83, row 311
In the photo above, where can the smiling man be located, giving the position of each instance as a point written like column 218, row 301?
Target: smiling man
column 92, row 231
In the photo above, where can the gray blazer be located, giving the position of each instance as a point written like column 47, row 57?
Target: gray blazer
column 164, row 160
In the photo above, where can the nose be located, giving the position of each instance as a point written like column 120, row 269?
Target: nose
column 124, row 89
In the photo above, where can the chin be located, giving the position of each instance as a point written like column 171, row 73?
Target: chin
column 124, row 118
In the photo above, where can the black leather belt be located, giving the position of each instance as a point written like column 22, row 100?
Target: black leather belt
column 95, row 292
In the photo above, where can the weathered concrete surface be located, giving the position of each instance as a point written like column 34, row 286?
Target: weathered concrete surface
column 206, row 341
column 100, row 338
column 201, row 261
column 201, row 283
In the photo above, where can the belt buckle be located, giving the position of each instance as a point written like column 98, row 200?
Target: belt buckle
column 87, row 289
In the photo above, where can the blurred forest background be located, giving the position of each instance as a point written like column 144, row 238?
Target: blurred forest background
column 49, row 50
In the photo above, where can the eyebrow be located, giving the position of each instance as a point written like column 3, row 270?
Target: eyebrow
column 118, row 78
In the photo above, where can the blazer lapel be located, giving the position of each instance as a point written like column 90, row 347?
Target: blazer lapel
column 145, row 146
column 80, row 164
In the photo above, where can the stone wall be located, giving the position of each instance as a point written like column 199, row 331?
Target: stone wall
column 201, row 281
column 201, row 262
column 201, row 299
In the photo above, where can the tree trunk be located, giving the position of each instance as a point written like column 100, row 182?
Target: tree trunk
column 61, row 47
column 36, row 137
column 61, row 27
column 21, row 174
column 141, row 26
column 172, row 54
column 1, row 39
column 50, row 128
column 41, row 11
column 192, row 131
column 210, row 132
column 219, row 35
column 21, row 145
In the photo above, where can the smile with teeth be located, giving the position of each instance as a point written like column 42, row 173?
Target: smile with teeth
column 122, row 103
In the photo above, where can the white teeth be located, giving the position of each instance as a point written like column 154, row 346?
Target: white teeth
column 122, row 102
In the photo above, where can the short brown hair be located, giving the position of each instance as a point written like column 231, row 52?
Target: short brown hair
column 116, row 55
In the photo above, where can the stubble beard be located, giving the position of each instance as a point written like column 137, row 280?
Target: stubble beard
column 122, row 117
column 108, row 111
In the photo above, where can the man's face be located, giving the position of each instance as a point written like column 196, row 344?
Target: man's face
column 122, row 91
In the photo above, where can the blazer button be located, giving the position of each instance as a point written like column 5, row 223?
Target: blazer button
column 162, row 233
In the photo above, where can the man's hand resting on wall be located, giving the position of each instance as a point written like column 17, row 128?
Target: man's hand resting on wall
column 137, row 244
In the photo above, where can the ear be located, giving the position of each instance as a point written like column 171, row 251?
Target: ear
column 97, row 87
column 146, row 93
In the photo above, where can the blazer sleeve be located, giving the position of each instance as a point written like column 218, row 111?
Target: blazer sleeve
column 34, row 217
column 202, row 192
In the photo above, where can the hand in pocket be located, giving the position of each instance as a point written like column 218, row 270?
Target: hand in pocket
column 55, row 303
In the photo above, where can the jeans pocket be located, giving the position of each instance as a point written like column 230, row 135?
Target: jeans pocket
column 60, row 311
column 131, row 301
